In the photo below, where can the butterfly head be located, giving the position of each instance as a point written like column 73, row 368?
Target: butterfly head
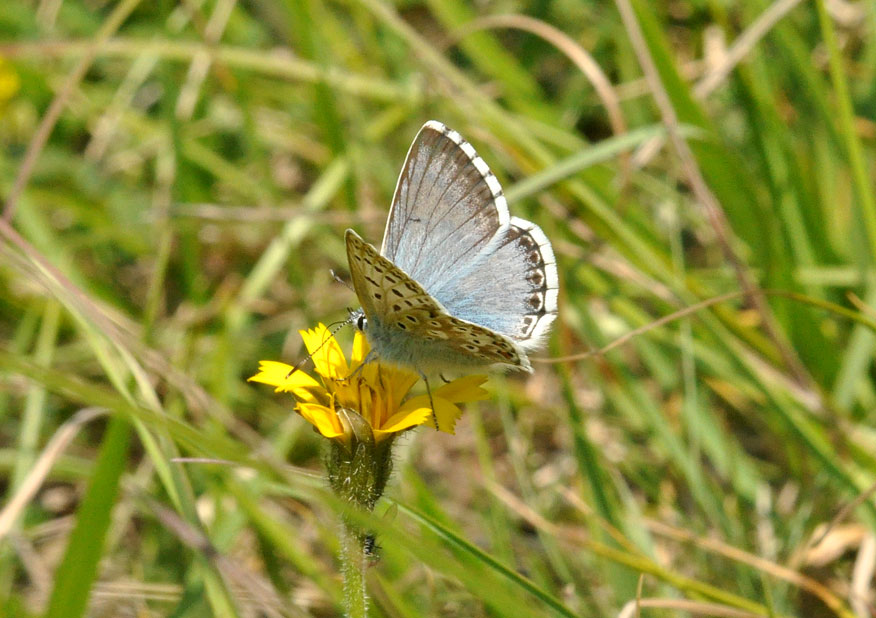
column 357, row 317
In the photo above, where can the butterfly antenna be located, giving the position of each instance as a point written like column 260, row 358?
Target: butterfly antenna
column 340, row 280
column 332, row 328
column 336, row 326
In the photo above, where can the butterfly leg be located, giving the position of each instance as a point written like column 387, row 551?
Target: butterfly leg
column 446, row 381
column 431, row 402
column 371, row 356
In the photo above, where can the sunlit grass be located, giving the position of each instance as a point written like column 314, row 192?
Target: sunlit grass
column 184, row 215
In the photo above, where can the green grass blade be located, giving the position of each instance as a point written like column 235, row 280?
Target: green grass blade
column 75, row 576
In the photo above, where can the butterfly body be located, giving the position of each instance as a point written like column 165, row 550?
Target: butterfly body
column 459, row 284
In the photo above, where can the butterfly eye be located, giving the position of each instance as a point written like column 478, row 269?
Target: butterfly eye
column 361, row 322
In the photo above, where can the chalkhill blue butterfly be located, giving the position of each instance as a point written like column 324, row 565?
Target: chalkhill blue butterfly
column 459, row 284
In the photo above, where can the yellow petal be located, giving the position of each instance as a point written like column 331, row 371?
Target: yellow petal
column 301, row 385
column 313, row 337
column 271, row 372
column 400, row 382
column 323, row 418
column 447, row 414
column 370, row 373
column 394, row 383
column 328, row 358
column 463, row 389
column 405, row 418
column 360, row 349
column 445, row 411
column 304, row 388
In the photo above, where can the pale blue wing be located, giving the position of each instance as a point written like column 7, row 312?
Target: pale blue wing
column 447, row 208
column 510, row 289
column 406, row 326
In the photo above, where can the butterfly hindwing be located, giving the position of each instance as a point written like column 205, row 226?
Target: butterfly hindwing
column 468, row 339
column 512, row 289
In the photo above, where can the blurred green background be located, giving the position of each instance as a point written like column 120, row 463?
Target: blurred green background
column 176, row 181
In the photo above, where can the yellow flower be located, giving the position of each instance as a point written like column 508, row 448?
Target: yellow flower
column 9, row 81
column 377, row 392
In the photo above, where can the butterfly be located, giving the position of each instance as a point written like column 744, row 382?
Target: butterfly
column 458, row 284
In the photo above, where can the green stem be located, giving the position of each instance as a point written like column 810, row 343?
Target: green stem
column 353, row 565
column 259, row 61
column 846, row 119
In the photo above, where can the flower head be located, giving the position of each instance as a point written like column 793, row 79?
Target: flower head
column 378, row 393
column 9, row 81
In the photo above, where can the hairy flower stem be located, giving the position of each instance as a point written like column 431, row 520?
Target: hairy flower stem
column 358, row 470
column 354, row 561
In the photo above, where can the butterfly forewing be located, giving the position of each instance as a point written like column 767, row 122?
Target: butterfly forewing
column 447, row 208
column 398, row 304
column 383, row 288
